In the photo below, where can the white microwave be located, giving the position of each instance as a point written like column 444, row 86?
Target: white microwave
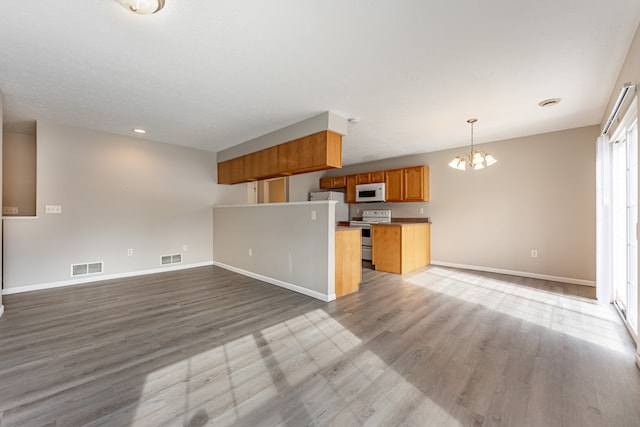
column 375, row 192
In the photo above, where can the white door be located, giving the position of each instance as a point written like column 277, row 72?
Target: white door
column 632, row 226
column 624, row 202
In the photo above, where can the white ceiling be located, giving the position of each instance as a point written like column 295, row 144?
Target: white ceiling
column 215, row 73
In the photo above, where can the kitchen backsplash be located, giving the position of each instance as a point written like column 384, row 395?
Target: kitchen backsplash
column 398, row 210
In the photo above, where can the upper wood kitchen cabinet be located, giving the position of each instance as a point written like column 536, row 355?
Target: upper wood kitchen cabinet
column 231, row 171
column 395, row 185
column 339, row 182
column 351, row 189
column 408, row 184
column 416, row 184
column 322, row 150
column 378, row 176
column 326, row 183
column 403, row 185
column 262, row 164
column 334, row 182
column 363, row 178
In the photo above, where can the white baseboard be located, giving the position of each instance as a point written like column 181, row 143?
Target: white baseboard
column 93, row 279
column 517, row 273
column 286, row 285
column 1, row 310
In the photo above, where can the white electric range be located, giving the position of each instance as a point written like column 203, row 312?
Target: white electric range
column 370, row 217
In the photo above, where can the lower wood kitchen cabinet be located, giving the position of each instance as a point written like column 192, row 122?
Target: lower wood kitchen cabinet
column 348, row 261
column 401, row 248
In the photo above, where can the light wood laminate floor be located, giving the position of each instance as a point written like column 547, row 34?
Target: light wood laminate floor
column 437, row 347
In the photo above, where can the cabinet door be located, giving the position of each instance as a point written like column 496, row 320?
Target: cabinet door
column 299, row 154
column 363, row 178
column 378, row 176
column 224, row 172
column 339, row 182
column 326, row 183
column 395, row 186
column 351, row 189
column 416, row 187
column 261, row 164
column 386, row 244
column 231, row 171
column 335, row 182
column 319, row 151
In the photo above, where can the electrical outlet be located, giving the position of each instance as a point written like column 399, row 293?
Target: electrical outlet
column 129, row 252
column 185, row 248
column 534, row 253
column 53, row 209
column 250, row 252
column 421, row 210
column 313, row 215
column 9, row 210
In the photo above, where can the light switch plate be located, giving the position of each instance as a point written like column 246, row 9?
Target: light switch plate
column 53, row 209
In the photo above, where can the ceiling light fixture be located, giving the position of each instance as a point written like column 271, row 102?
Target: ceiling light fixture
column 142, row 7
column 354, row 120
column 475, row 159
column 141, row 131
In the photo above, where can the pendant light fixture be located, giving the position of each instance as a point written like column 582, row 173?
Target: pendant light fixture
column 142, row 7
column 474, row 159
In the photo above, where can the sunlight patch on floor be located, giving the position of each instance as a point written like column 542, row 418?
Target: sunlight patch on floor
column 239, row 381
column 566, row 314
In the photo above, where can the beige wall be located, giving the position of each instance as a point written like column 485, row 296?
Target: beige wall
column 116, row 193
column 540, row 195
column 19, row 172
column 303, row 259
column 1, row 140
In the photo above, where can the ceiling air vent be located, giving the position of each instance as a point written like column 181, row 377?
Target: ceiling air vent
column 86, row 268
column 549, row 102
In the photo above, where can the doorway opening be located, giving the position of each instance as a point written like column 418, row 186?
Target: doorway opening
column 275, row 190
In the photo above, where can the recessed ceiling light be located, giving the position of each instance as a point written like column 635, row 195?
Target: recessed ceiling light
column 549, row 102
column 140, row 131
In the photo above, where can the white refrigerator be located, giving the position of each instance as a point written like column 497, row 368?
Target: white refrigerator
column 342, row 209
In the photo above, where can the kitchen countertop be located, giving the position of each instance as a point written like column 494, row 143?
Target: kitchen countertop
column 345, row 228
column 398, row 221
column 402, row 224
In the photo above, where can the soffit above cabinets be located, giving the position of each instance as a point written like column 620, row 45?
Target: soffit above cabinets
column 327, row 121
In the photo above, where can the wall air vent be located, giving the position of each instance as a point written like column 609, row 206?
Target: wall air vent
column 86, row 268
column 171, row 259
